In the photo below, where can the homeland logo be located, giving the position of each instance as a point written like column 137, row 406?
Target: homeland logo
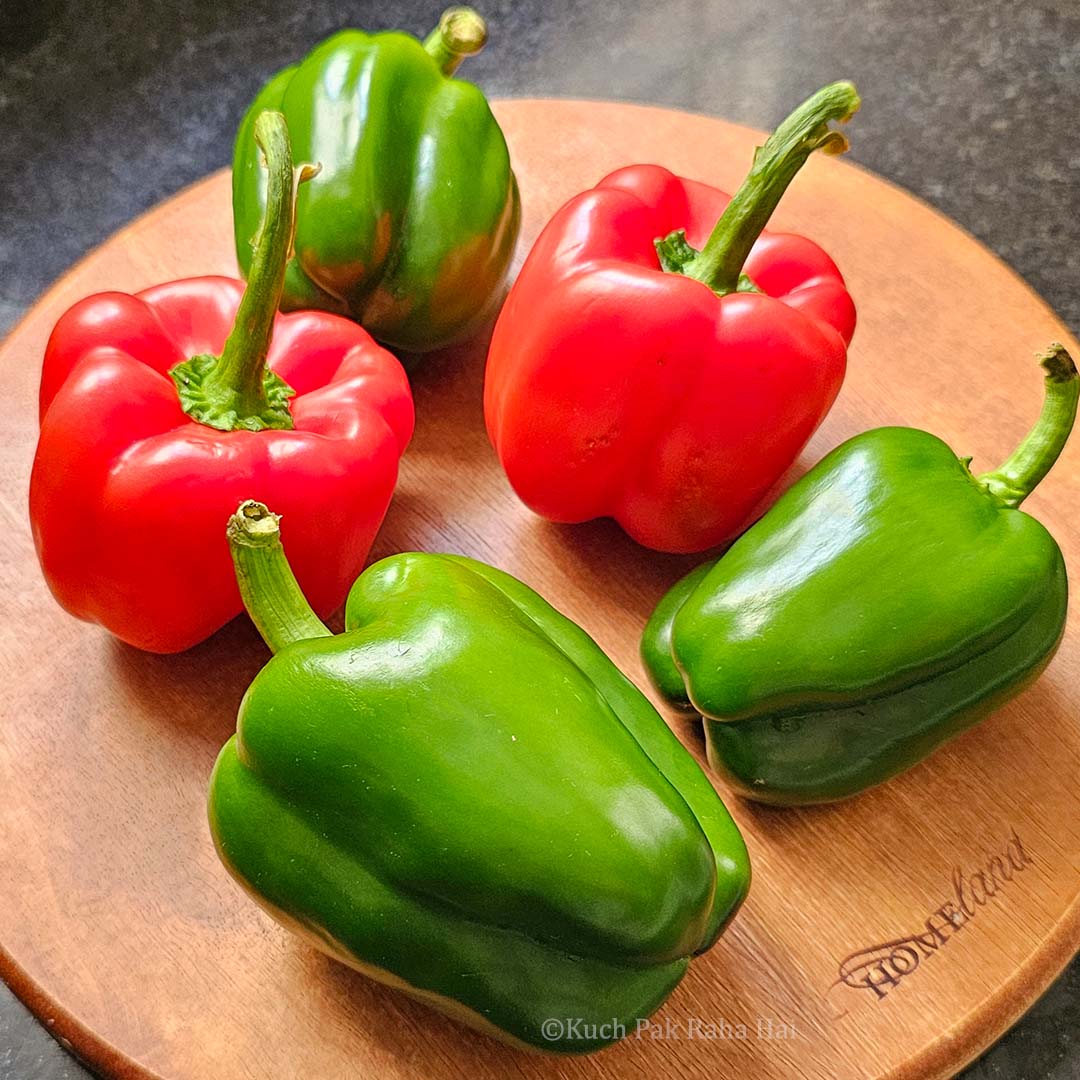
column 879, row 968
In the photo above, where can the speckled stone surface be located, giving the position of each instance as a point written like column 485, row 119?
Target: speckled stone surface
column 109, row 106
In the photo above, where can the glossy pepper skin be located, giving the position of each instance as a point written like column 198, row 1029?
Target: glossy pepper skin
column 461, row 796
column 669, row 388
column 889, row 600
column 153, row 426
column 410, row 226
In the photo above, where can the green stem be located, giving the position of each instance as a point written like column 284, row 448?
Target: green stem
column 235, row 390
column 1018, row 477
column 268, row 586
column 461, row 32
column 720, row 262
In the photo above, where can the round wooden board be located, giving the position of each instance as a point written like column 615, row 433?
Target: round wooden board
column 124, row 934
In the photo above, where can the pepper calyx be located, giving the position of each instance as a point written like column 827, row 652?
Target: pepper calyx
column 675, row 254
column 205, row 400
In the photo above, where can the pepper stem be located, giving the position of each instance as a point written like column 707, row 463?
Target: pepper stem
column 1020, row 474
column 268, row 586
column 235, row 390
column 720, row 262
column 461, row 32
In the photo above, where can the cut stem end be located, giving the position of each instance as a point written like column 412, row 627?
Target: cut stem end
column 255, row 525
column 461, row 32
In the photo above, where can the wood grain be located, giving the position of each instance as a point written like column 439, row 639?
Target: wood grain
column 124, row 934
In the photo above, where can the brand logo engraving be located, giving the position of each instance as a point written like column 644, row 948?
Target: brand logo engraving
column 879, row 968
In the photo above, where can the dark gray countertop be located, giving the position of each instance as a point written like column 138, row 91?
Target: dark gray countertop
column 109, row 106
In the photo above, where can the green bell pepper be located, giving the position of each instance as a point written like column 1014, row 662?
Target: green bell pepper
column 410, row 225
column 887, row 601
column 461, row 796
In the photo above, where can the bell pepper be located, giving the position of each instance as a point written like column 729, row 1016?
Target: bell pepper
column 411, row 225
column 889, row 600
column 461, row 796
column 663, row 386
column 156, row 418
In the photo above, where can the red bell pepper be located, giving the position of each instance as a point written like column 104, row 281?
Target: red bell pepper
column 666, row 387
column 157, row 419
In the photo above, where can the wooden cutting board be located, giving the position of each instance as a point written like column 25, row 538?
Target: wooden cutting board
column 123, row 933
